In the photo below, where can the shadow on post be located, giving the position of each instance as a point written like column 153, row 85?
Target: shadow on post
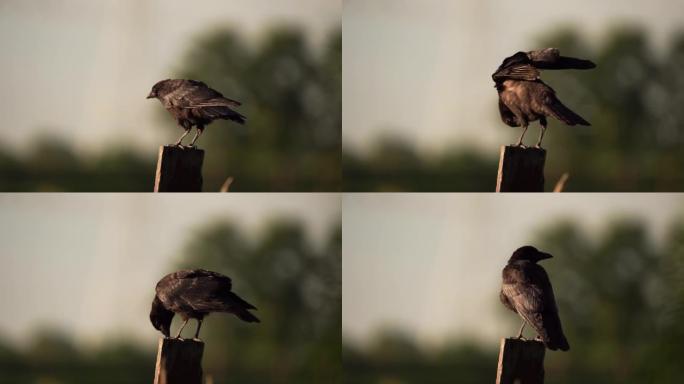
column 521, row 169
column 179, row 169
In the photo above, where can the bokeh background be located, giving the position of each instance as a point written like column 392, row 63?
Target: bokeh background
column 75, row 74
column 422, row 274
column 420, row 111
column 78, row 276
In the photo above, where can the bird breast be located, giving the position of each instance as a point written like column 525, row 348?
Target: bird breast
column 519, row 97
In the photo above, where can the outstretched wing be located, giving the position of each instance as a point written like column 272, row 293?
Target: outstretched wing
column 526, row 65
column 550, row 58
column 516, row 67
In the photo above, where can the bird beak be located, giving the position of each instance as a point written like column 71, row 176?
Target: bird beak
column 150, row 96
column 543, row 256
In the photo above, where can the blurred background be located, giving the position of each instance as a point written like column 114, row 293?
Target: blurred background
column 420, row 111
column 75, row 75
column 78, row 277
column 422, row 274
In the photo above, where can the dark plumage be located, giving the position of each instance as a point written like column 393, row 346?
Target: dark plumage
column 523, row 97
column 526, row 290
column 193, row 294
column 193, row 103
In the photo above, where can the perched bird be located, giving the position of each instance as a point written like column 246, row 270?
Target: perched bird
column 523, row 97
column 526, row 290
column 193, row 294
column 193, row 103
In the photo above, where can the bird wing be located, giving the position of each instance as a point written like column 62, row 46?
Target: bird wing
column 516, row 67
column 526, row 65
column 196, row 94
column 530, row 291
column 207, row 291
column 550, row 58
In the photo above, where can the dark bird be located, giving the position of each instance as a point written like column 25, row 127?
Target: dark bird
column 523, row 97
column 526, row 290
column 193, row 103
column 193, row 294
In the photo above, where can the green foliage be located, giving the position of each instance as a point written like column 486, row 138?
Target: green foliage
column 297, row 289
column 633, row 100
column 292, row 99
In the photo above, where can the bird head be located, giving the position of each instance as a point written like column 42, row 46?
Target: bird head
column 161, row 317
column 529, row 253
column 158, row 89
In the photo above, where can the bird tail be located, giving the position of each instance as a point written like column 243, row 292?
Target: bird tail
column 234, row 116
column 237, row 300
column 245, row 315
column 556, row 109
column 556, row 341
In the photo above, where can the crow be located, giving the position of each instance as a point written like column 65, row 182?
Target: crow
column 523, row 97
column 193, row 103
column 526, row 290
column 194, row 293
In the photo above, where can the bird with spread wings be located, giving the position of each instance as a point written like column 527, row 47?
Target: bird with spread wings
column 524, row 97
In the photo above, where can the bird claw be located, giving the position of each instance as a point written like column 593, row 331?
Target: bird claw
column 520, row 145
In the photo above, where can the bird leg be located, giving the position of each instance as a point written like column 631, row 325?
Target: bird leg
column 199, row 325
column 181, row 328
column 178, row 143
column 541, row 133
column 520, row 140
column 199, row 132
column 520, row 335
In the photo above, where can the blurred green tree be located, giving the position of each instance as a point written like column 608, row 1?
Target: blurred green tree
column 297, row 288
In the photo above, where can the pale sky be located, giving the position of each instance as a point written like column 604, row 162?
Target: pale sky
column 430, row 264
column 422, row 69
column 81, row 68
column 88, row 263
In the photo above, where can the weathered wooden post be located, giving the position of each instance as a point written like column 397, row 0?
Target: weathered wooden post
column 521, row 361
column 179, row 361
column 179, row 169
column 521, row 169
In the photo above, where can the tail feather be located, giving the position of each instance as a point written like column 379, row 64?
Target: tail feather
column 556, row 109
column 223, row 112
column 245, row 315
column 235, row 299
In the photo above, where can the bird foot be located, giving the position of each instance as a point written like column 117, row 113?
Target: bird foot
column 519, row 145
column 520, row 337
column 538, row 146
column 197, row 339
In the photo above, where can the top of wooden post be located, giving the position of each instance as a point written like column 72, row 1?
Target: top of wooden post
column 521, row 169
column 179, row 169
column 521, row 361
column 179, row 361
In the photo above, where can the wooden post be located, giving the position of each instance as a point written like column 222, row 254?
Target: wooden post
column 179, row 169
column 179, row 361
column 521, row 169
column 521, row 361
